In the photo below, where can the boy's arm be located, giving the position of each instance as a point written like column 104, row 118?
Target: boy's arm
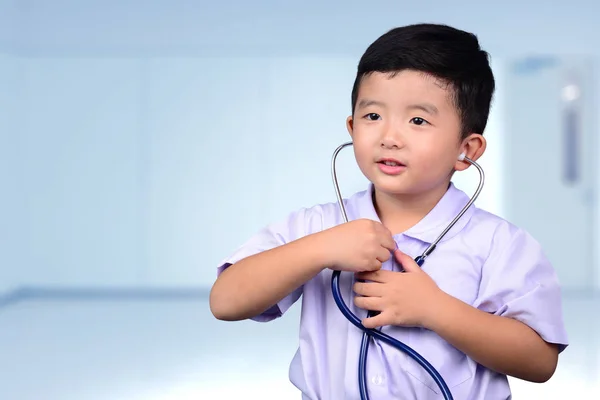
column 499, row 343
column 511, row 324
column 517, row 316
column 255, row 283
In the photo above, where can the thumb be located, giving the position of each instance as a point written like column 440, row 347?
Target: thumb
column 406, row 261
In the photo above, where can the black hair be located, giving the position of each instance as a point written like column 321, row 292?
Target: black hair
column 449, row 54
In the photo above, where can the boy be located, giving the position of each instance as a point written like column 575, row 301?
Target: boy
column 486, row 303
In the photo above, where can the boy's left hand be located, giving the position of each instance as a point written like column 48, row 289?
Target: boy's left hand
column 407, row 298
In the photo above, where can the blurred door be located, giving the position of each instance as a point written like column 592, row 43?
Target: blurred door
column 550, row 160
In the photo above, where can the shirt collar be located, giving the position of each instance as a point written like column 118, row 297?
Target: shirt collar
column 432, row 225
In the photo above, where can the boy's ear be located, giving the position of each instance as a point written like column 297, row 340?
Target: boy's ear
column 350, row 125
column 473, row 146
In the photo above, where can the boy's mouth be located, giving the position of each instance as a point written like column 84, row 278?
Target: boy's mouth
column 390, row 166
column 390, row 162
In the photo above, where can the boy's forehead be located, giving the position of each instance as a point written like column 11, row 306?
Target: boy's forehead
column 405, row 77
column 405, row 85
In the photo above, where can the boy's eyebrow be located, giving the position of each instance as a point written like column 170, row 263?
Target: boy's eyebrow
column 367, row 102
column 427, row 107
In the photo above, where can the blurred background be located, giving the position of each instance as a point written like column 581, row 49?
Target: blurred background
column 141, row 142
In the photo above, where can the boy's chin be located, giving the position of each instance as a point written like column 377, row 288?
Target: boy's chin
column 393, row 188
column 400, row 188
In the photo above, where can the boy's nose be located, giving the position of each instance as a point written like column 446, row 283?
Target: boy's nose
column 391, row 139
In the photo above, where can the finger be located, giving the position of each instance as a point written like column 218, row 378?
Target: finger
column 368, row 303
column 378, row 320
column 368, row 289
column 380, row 276
column 386, row 238
column 382, row 228
column 388, row 241
column 375, row 266
column 383, row 254
column 406, row 262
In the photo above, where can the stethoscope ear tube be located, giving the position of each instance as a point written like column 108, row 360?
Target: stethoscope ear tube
column 367, row 333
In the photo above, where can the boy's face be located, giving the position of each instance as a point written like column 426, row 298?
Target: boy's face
column 410, row 121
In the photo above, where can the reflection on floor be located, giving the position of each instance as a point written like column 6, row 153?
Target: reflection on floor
column 171, row 350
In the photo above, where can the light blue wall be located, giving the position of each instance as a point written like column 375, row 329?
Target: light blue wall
column 149, row 171
column 239, row 27
column 143, row 142
column 9, row 25
column 12, row 239
column 80, row 128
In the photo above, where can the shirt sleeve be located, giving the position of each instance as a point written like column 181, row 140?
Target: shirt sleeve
column 519, row 282
column 291, row 228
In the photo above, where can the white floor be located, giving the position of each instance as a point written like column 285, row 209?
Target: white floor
column 171, row 350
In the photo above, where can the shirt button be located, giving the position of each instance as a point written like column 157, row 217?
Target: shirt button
column 377, row 380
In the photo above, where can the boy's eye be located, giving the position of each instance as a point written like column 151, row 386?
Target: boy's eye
column 418, row 121
column 372, row 116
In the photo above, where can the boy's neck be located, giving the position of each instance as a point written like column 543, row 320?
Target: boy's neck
column 399, row 213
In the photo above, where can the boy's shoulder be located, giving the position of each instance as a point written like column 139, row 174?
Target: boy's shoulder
column 493, row 222
column 326, row 214
column 497, row 237
column 479, row 227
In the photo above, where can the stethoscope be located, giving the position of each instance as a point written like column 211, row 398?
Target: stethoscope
column 335, row 287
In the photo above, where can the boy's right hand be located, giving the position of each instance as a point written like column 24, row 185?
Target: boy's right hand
column 358, row 246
